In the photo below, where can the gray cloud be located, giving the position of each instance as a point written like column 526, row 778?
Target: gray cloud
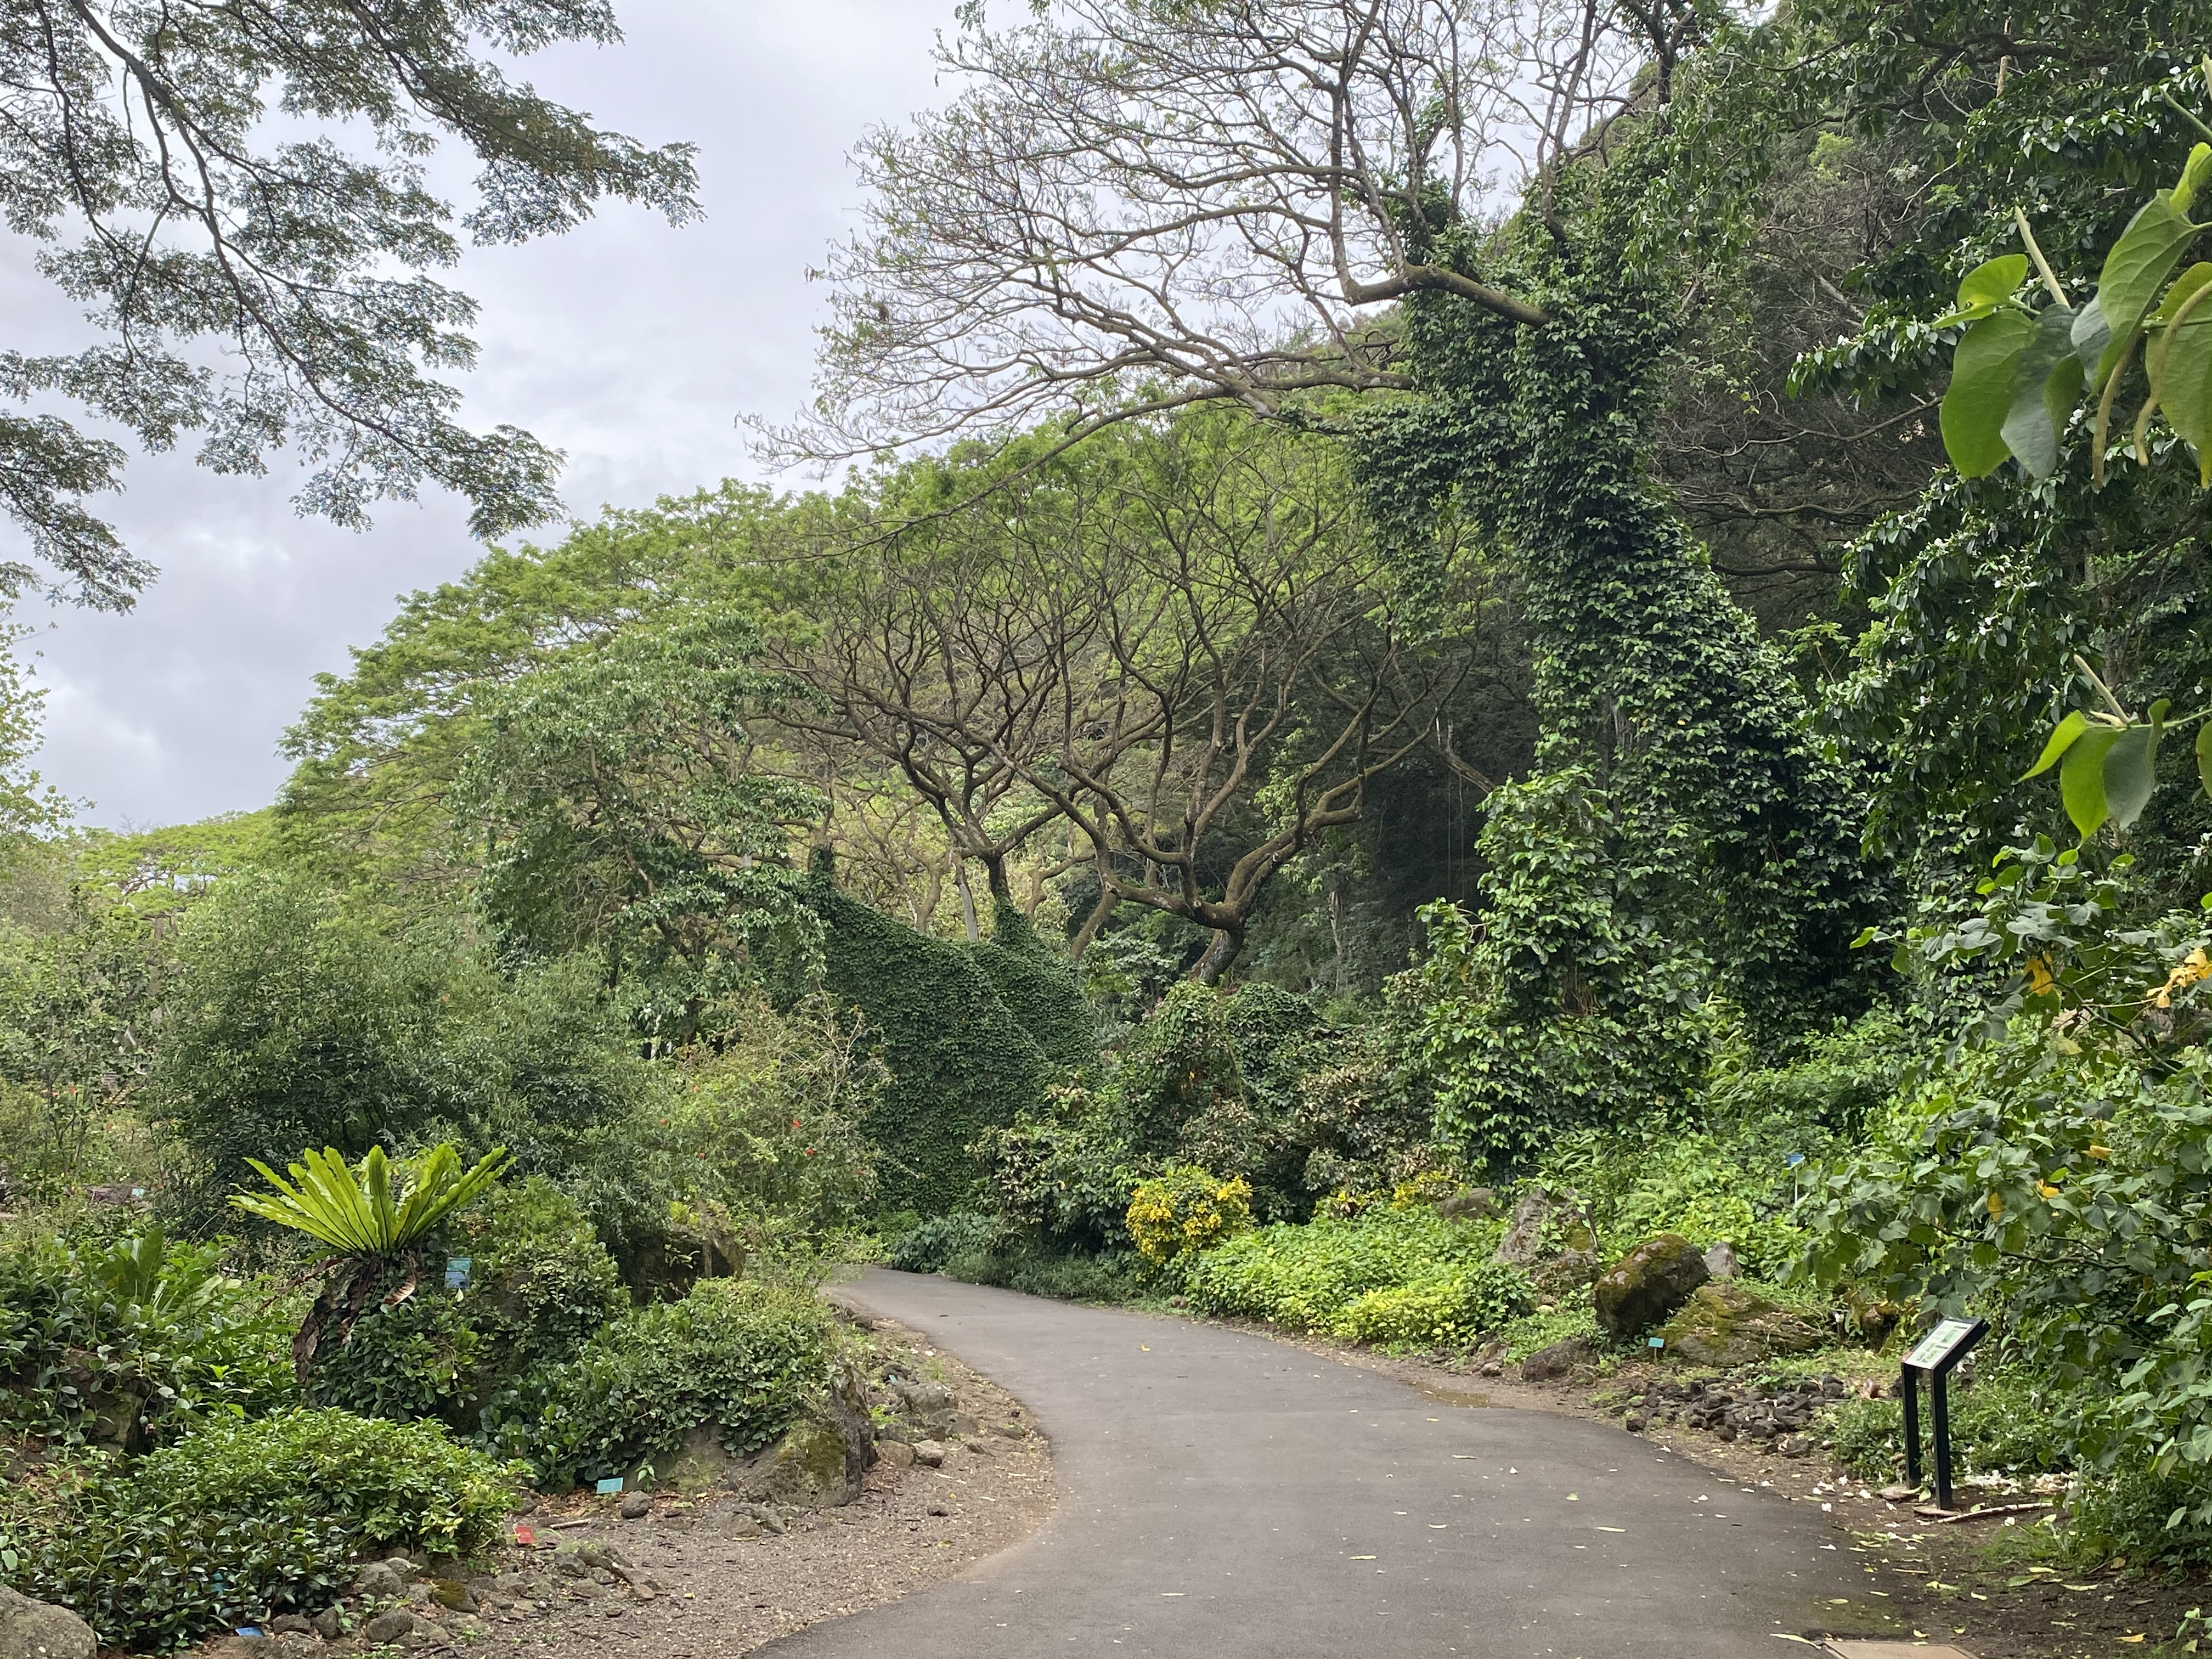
column 630, row 346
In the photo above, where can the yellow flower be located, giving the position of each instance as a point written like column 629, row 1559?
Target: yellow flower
column 1997, row 1204
column 2185, row 973
column 2098, row 1151
column 2039, row 981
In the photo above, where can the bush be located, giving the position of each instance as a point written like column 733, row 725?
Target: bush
column 388, row 1483
column 241, row 1519
column 1307, row 1277
column 1185, row 1210
column 2150, row 1518
column 927, row 1246
column 2001, row 1425
column 1437, row 1313
column 734, row 1352
column 1036, row 1271
column 539, row 1285
column 130, row 1342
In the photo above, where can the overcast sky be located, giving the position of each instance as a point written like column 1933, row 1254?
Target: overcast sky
column 630, row 345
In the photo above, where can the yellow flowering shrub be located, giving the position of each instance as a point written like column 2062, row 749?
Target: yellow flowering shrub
column 1184, row 1210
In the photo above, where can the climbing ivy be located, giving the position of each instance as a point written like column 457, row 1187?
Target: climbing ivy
column 1648, row 677
column 963, row 1057
column 1569, row 1007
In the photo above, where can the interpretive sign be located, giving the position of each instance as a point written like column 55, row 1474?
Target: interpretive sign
column 1947, row 1345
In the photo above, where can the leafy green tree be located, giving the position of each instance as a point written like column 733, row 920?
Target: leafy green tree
column 1129, row 210
column 191, row 157
column 621, row 809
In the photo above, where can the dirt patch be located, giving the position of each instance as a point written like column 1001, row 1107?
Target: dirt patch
column 694, row 1578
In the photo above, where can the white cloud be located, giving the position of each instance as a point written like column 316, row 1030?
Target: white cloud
column 630, row 346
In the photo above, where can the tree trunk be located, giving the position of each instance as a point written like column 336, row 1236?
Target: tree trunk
column 1223, row 950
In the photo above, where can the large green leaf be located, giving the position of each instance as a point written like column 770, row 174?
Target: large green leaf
column 2130, row 769
column 1986, row 287
column 2135, row 271
column 2046, row 382
column 354, row 1212
column 2081, row 779
column 2062, row 740
column 2185, row 385
column 1980, row 394
column 2204, row 756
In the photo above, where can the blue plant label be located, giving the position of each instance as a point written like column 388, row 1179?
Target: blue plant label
column 613, row 1483
column 457, row 1271
column 1794, row 1159
column 1656, row 1342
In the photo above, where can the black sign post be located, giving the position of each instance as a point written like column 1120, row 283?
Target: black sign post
column 1935, row 1356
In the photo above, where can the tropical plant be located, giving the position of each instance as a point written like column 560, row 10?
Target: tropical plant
column 371, row 1230
column 2018, row 374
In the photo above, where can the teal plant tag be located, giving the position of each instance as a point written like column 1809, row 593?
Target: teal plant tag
column 613, row 1483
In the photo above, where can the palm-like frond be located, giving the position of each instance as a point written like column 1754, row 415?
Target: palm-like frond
column 354, row 1212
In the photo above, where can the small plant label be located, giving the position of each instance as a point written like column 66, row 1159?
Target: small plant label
column 613, row 1483
column 457, row 1271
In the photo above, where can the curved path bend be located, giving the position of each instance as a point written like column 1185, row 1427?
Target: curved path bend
column 1222, row 1496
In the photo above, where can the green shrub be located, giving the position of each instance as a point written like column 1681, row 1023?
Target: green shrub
column 1436, row 1313
column 2151, row 1519
column 1034, row 1270
column 145, row 1577
column 1063, row 1180
column 390, row 1483
column 1306, row 1277
column 1546, row 1326
column 927, row 1246
column 539, row 1285
column 130, row 1342
column 2002, row 1424
column 734, row 1352
column 1184, row 1210
column 242, row 1518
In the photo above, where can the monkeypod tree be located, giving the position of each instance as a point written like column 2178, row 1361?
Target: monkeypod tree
column 1412, row 222
column 179, row 166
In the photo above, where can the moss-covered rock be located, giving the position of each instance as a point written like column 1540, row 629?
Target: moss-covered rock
column 1725, row 1324
column 1649, row 1283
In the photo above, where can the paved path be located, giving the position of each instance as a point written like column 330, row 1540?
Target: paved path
column 1224, row 1496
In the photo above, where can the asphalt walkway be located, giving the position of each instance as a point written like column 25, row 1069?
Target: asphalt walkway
column 1224, row 1496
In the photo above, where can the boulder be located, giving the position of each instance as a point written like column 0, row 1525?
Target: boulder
column 328, row 1625
column 928, row 1452
column 1725, row 1324
column 637, row 1506
column 922, row 1397
column 1545, row 1224
column 378, row 1582
column 1720, row 1261
column 1555, row 1361
column 897, row 1453
column 700, row 1466
column 1649, row 1283
column 40, row 1630
column 387, row 1627
column 1478, row 1203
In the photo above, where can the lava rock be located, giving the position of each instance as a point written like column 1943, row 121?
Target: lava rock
column 635, row 1507
column 1725, row 1324
column 1556, row 1361
column 1797, row 1445
column 1011, row 1430
column 1649, row 1283
column 377, row 1580
column 1720, row 1261
column 291, row 1624
column 328, row 1625
column 929, row 1453
column 388, row 1627
column 40, row 1630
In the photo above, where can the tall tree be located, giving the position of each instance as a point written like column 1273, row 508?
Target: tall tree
column 181, row 163
column 1130, row 208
